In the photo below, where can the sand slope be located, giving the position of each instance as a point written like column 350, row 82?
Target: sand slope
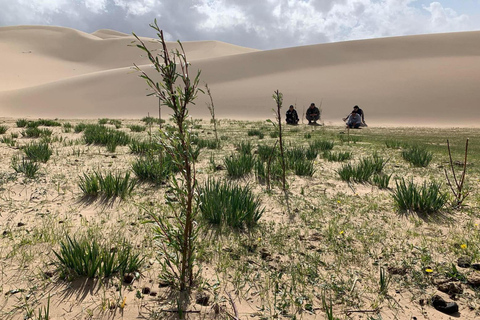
column 415, row 80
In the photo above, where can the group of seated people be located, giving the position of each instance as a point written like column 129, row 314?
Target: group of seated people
column 355, row 119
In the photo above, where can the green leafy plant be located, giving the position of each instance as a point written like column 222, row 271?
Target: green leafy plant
column 244, row 147
column 177, row 91
column 255, row 132
column 337, row 156
column 3, row 129
column 427, row 198
column 35, row 132
column 381, row 180
column 98, row 134
column 21, row 123
column 80, row 127
column 226, row 203
column 393, row 144
column 144, row 147
column 108, row 186
column 102, row 121
column 137, row 128
column 384, row 282
column 304, row 168
column 321, row 145
column 153, row 168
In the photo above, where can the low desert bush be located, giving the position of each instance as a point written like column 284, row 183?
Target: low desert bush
column 3, row 129
column 418, row 156
column 26, row 166
column 107, row 186
column 427, row 198
column 226, row 203
column 34, row 132
column 38, row 152
column 239, row 165
column 337, row 156
column 80, row 127
column 87, row 257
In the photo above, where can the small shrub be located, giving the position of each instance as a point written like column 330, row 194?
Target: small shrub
column 108, row 186
column 337, row 156
column 137, row 128
column 38, row 152
column 21, row 123
column 226, row 203
column 206, row 143
column 9, row 141
column 418, row 156
column 152, row 120
column 426, row 198
column 45, row 123
column 239, row 165
column 87, row 257
column 27, row 167
column 3, row 129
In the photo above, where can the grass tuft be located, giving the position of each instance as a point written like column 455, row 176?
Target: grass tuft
column 239, row 165
column 107, row 185
column 418, row 156
column 427, row 198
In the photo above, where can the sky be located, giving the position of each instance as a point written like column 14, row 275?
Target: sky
column 260, row 24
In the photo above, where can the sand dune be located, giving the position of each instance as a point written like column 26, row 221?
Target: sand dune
column 415, row 80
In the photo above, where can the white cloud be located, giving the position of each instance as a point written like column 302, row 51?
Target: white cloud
column 261, row 24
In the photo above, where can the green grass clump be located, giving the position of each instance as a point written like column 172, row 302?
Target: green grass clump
column 38, row 152
column 256, row 132
column 294, row 155
column 26, row 166
column 393, row 144
column 98, row 134
column 117, row 123
column 226, row 203
column 381, row 180
column 321, row 145
column 239, row 165
column 144, row 147
column 21, row 123
column 103, row 121
column 35, row 132
column 87, row 257
column 152, row 120
column 337, row 156
column 3, row 129
column 67, row 127
column 418, row 156
column 363, row 170
column 304, row 168
column 9, row 141
column 107, row 186
column 266, row 152
column 244, row 147
column 137, row 128
column 153, row 168
column 427, row 198
column 273, row 134
column 80, row 127
column 206, row 143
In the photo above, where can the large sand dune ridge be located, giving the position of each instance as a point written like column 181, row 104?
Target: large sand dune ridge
column 426, row 80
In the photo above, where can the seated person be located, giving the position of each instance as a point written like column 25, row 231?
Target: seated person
column 291, row 116
column 359, row 111
column 312, row 114
column 354, row 120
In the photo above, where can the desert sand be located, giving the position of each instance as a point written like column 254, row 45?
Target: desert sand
column 425, row 80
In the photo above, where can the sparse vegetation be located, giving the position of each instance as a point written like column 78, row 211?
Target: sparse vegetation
column 427, row 198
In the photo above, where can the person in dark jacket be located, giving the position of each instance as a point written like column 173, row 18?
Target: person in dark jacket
column 359, row 112
column 291, row 116
column 312, row 114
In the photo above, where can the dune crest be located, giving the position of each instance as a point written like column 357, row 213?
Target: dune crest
column 426, row 80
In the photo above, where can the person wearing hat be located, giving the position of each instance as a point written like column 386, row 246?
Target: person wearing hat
column 291, row 117
column 312, row 114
